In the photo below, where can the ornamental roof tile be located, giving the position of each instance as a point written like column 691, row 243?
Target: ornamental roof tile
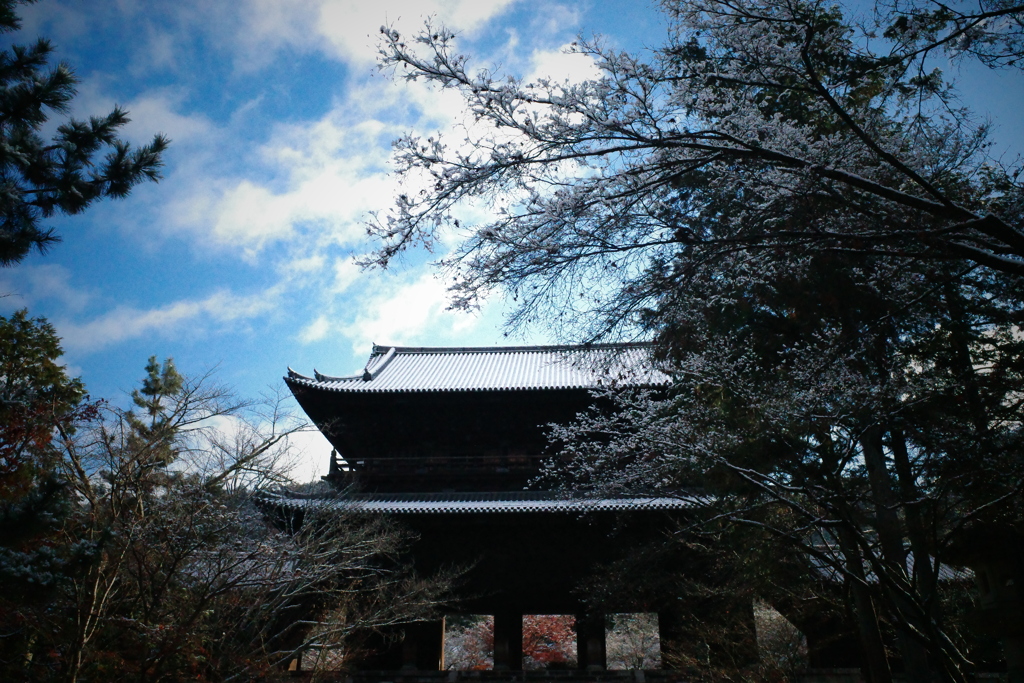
column 520, row 502
column 405, row 368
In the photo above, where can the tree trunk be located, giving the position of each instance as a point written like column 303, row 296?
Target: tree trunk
column 925, row 577
column 876, row 665
column 894, row 555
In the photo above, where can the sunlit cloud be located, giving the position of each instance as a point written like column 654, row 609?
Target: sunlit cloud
column 399, row 314
column 125, row 322
column 346, row 273
column 29, row 285
column 311, row 453
column 408, row 307
column 553, row 17
column 348, row 29
column 306, row 265
column 316, row 330
column 320, row 179
column 562, row 65
column 158, row 110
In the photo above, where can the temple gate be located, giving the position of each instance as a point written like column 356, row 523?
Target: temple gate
column 448, row 440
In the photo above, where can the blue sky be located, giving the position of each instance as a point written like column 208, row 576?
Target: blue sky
column 241, row 258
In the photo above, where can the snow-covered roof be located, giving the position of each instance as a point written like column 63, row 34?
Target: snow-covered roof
column 471, row 503
column 405, row 368
column 828, row 571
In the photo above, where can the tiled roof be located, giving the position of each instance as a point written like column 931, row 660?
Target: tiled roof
column 471, row 503
column 829, row 572
column 403, row 368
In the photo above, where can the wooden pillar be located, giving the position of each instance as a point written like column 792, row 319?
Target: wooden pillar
column 738, row 617
column 409, row 641
column 710, row 631
column 384, row 651
column 670, row 638
column 422, row 646
column 831, row 640
column 590, row 644
column 508, row 641
column 430, row 645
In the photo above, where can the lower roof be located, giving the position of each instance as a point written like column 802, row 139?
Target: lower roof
column 471, row 503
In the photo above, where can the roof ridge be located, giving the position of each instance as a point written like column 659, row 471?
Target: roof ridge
column 502, row 368
column 384, row 348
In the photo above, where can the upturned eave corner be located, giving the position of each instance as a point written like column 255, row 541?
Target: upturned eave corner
column 293, row 375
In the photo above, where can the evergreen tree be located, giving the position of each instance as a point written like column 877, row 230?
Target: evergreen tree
column 39, row 407
column 84, row 162
column 37, row 398
column 159, row 389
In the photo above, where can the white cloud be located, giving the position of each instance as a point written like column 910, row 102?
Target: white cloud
column 161, row 50
column 273, row 23
column 158, row 110
column 562, row 65
column 328, row 201
column 399, row 315
column 316, row 330
column 552, row 17
column 314, row 182
column 250, row 214
column 26, row 285
column 346, row 273
column 310, row 185
column 348, row 29
column 125, row 322
column 409, row 310
column 304, row 456
column 311, row 452
column 65, row 21
column 307, row 265
column 372, row 306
